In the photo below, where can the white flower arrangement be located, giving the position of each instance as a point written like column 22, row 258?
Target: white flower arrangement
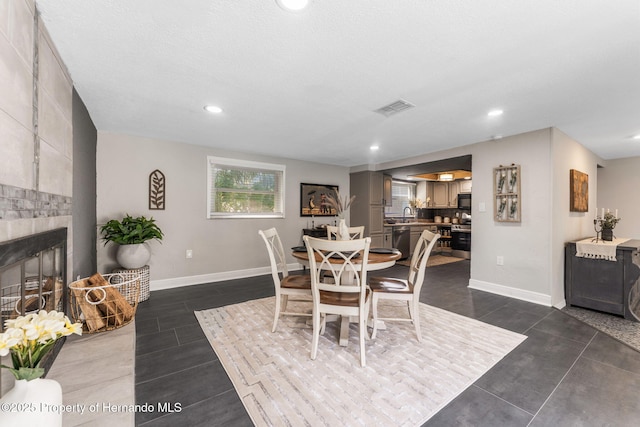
column 29, row 338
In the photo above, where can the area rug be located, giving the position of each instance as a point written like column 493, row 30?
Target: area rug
column 618, row 327
column 404, row 383
column 433, row 260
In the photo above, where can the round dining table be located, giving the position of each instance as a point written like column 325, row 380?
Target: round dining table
column 379, row 259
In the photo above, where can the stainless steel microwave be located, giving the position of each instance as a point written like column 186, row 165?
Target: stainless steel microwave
column 464, row 201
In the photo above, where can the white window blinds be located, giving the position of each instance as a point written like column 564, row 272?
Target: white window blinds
column 244, row 189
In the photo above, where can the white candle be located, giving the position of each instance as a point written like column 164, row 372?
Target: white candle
column 602, row 213
column 616, row 213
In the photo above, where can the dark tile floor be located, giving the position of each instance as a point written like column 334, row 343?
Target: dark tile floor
column 565, row 374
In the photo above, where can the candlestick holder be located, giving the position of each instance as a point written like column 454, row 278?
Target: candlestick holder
column 597, row 226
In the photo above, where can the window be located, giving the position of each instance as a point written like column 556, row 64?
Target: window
column 244, row 189
column 401, row 193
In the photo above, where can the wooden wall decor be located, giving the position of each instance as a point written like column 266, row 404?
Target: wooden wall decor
column 579, row 191
column 157, row 192
column 506, row 193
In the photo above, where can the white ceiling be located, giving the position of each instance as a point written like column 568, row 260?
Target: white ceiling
column 304, row 85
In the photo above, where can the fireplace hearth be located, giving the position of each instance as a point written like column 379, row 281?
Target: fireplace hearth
column 33, row 277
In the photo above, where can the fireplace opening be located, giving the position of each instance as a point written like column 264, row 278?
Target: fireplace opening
column 33, row 277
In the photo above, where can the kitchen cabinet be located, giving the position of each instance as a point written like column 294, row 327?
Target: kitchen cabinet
column 376, row 219
column 368, row 207
column 387, row 238
column 454, row 189
column 440, row 194
column 387, row 185
column 444, row 194
column 465, row 186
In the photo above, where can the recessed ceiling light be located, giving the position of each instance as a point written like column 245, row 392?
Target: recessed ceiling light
column 374, row 148
column 495, row 113
column 636, row 136
column 213, row 109
column 292, row 5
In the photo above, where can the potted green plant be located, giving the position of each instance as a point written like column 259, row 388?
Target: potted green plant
column 609, row 222
column 131, row 234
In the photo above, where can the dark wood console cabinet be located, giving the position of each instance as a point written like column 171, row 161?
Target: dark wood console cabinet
column 607, row 286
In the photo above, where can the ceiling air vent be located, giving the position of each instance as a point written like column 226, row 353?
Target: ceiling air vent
column 394, row 108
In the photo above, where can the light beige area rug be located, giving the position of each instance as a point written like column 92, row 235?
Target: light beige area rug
column 404, row 383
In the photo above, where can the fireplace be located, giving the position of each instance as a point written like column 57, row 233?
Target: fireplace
column 33, row 277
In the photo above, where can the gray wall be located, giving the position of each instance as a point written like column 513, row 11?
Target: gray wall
column 84, row 190
column 532, row 249
column 223, row 247
column 619, row 188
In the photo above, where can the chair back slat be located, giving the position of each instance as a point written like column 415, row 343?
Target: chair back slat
column 338, row 263
column 421, row 253
column 354, row 232
column 277, row 257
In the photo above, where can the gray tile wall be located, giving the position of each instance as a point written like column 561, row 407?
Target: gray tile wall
column 21, row 203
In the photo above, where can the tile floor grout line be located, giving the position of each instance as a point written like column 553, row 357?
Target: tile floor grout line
column 562, row 379
column 505, row 401
column 178, row 371
column 600, row 362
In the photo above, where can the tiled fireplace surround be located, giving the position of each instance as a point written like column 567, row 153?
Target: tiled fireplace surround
column 21, row 203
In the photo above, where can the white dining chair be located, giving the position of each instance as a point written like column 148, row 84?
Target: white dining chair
column 339, row 284
column 356, row 232
column 391, row 288
column 286, row 285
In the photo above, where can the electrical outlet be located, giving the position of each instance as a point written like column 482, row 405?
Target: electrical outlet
column 189, row 253
column 500, row 260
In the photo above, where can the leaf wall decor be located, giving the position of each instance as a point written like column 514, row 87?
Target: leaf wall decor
column 157, row 194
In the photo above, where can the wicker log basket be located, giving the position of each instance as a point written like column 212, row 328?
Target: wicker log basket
column 104, row 302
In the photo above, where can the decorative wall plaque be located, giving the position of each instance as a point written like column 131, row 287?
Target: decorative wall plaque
column 157, row 190
column 506, row 192
column 578, row 191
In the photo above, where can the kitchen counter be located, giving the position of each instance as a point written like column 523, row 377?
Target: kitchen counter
column 418, row 223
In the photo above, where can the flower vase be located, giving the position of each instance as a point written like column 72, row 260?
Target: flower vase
column 607, row 234
column 343, row 231
column 32, row 403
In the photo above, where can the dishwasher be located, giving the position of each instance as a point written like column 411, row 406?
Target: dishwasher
column 401, row 240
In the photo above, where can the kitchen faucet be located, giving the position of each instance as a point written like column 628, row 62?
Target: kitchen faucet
column 404, row 210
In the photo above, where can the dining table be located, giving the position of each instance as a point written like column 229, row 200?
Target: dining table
column 379, row 259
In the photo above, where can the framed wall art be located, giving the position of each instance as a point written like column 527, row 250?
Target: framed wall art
column 578, row 191
column 313, row 199
column 506, row 192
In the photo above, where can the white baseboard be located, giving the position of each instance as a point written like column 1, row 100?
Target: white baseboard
column 534, row 297
column 176, row 282
column 562, row 304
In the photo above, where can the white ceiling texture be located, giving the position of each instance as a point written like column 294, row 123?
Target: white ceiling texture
column 305, row 85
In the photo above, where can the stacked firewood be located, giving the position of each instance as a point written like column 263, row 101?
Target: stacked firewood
column 102, row 305
column 48, row 300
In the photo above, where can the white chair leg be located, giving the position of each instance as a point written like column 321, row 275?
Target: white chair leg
column 366, row 320
column 277, row 313
column 316, row 334
column 363, row 331
column 374, row 309
column 285, row 300
column 415, row 315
